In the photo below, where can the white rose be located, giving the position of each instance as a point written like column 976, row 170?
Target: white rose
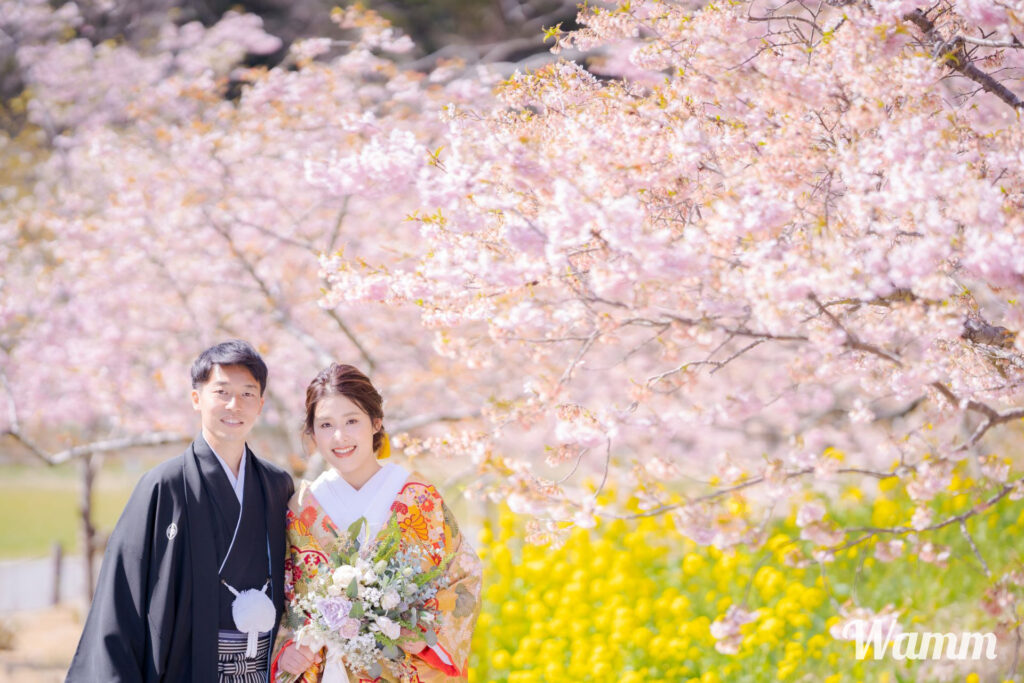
column 343, row 575
column 390, row 599
column 389, row 628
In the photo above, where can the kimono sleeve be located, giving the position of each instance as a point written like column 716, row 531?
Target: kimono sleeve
column 303, row 559
column 459, row 603
column 113, row 645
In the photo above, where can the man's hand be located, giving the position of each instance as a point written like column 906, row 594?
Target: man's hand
column 414, row 646
column 296, row 659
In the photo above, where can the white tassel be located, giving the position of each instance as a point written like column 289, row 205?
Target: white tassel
column 253, row 613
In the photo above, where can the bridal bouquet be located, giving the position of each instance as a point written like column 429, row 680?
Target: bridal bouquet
column 358, row 609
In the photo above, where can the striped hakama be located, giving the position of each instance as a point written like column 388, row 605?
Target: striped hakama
column 232, row 664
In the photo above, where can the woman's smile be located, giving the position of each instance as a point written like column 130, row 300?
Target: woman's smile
column 344, row 433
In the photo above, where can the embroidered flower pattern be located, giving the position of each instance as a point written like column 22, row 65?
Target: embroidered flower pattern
column 415, row 523
column 414, row 517
column 308, row 516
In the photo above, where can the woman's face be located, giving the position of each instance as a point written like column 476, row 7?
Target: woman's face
column 343, row 434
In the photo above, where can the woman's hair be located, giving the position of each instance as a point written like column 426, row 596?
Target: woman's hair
column 347, row 381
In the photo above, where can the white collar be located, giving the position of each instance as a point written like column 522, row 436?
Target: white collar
column 237, row 483
column 345, row 504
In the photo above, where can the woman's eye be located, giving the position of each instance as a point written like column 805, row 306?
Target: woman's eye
column 325, row 425
column 352, row 421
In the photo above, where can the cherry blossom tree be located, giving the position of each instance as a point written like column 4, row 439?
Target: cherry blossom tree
column 169, row 217
column 171, row 214
column 837, row 205
column 781, row 254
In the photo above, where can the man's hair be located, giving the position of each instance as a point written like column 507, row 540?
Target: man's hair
column 232, row 352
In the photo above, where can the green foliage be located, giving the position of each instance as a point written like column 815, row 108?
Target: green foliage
column 40, row 506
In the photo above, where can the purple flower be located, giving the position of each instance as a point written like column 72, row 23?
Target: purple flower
column 334, row 612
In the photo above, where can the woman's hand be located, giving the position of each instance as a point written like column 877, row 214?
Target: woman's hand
column 296, row 659
column 412, row 643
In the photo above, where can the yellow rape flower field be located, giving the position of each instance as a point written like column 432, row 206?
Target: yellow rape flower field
column 633, row 601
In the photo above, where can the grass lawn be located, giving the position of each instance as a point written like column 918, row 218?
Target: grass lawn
column 39, row 505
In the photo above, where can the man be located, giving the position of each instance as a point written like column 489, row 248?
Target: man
column 199, row 530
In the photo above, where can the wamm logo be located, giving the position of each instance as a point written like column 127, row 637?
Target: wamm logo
column 910, row 645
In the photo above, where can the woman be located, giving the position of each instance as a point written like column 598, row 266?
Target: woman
column 344, row 421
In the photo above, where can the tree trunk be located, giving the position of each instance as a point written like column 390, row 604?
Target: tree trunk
column 58, row 570
column 88, row 467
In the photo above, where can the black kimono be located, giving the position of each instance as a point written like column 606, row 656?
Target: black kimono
column 159, row 603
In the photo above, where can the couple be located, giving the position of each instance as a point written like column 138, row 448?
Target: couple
column 214, row 544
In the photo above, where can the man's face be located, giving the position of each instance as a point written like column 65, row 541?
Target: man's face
column 229, row 402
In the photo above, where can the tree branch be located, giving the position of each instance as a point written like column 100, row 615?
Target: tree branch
column 280, row 313
column 1013, row 43
column 977, row 553
column 567, row 375
column 119, row 444
column 417, row 421
column 141, row 440
column 333, row 315
column 607, row 467
column 956, row 519
column 992, row 416
column 579, row 459
column 956, row 58
column 851, row 339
